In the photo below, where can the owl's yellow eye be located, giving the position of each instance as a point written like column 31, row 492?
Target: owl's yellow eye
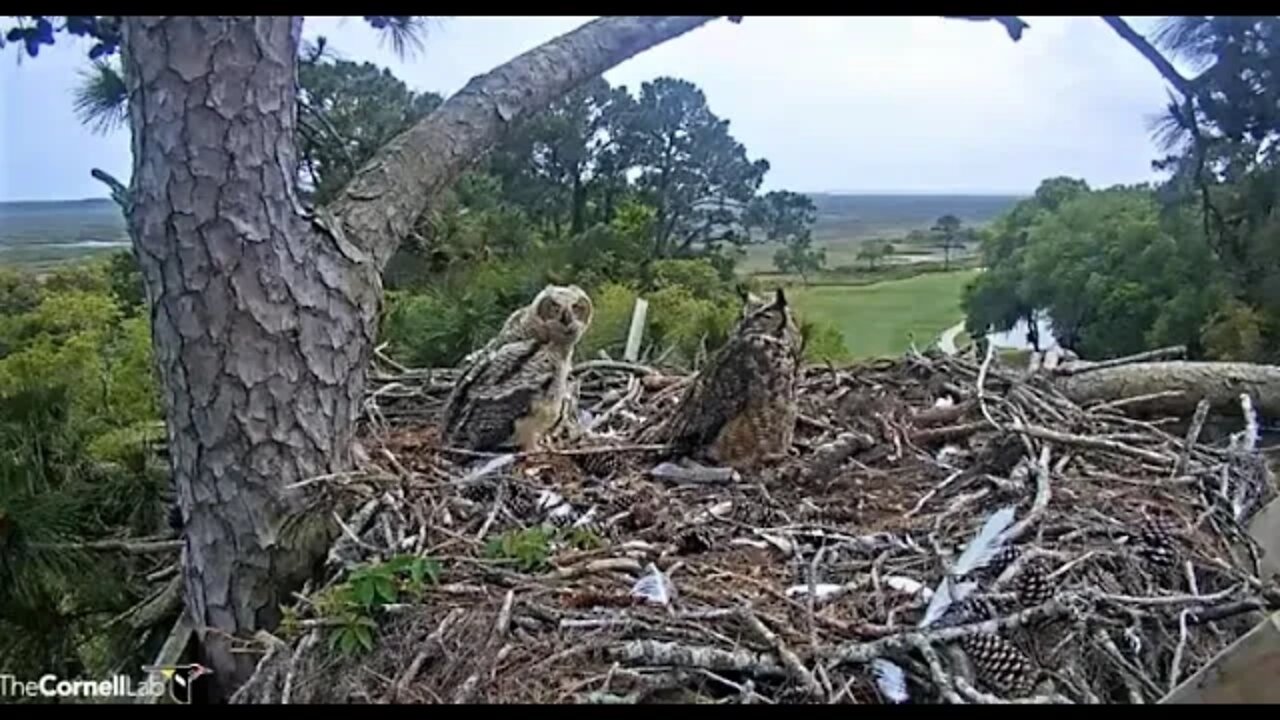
column 581, row 310
column 546, row 308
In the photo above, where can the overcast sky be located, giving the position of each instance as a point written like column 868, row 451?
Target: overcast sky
column 859, row 104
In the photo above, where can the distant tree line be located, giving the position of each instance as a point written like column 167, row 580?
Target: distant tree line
column 1194, row 260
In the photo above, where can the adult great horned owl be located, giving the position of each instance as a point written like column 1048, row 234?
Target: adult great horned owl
column 740, row 410
column 514, row 391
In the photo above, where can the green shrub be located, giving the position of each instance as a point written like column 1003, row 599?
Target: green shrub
column 1234, row 333
column 698, row 276
column 823, row 342
column 689, row 326
column 439, row 327
column 614, row 304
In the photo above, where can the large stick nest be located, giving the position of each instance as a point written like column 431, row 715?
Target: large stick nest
column 579, row 576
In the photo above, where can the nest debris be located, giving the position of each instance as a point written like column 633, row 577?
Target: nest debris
column 839, row 575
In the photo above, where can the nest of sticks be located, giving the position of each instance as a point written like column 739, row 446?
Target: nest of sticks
column 946, row 530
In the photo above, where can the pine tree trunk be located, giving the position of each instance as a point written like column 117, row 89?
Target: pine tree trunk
column 263, row 316
column 261, row 328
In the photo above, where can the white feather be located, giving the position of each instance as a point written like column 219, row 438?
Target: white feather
column 654, row 587
column 947, row 454
column 784, row 546
column 908, row 586
column 977, row 554
column 548, row 499
column 891, row 680
column 721, row 509
column 821, row 591
column 981, row 549
column 586, row 518
column 490, row 467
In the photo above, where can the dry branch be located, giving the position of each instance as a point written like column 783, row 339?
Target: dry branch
column 645, row 587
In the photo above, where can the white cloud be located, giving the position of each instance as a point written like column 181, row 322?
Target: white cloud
column 857, row 103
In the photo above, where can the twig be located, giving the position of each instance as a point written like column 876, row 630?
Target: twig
column 982, row 379
column 1128, row 670
column 945, row 682
column 868, row 651
column 1038, row 505
column 1135, row 400
column 929, row 495
column 747, row 692
column 499, row 497
column 129, row 547
column 1193, row 434
column 1168, row 599
column 1175, row 352
column 504, row 615
column 630, row 367
column 119, row 193
column 307, row 643
column 1175, row 668
column 789, row 658
column 433, row 648
column 653, row 652
column 1096, row 444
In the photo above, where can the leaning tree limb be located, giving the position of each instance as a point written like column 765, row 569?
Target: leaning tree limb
column 1153, row 56
column 385, row 197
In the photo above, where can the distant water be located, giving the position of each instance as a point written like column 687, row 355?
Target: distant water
column 38, row 234
column 93, row 244
column 1016, row 337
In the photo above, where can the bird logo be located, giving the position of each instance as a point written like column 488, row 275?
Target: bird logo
column 180, row 679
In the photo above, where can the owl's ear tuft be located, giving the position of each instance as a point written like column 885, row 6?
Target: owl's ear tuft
column 780, row 298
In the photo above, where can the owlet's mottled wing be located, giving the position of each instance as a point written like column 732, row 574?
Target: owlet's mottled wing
column 494, row 392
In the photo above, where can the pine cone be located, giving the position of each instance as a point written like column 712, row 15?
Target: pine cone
column 999, row 665
column 601, row 465
column 642, row 515
column 693, row 541
column 754, row 513
column 1156, row 542
column 1033, row 585
column 976, row 609
column 1159, row 556
column 1161, row 526
column 480, row 491
column 1003, row 558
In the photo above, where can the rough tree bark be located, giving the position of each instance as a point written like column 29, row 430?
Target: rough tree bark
column 1220, row 382
column 263, row 313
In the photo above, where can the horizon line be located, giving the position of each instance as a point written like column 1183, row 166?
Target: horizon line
column 888, row 192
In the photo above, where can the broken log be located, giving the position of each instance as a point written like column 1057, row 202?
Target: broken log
column 1176, row 387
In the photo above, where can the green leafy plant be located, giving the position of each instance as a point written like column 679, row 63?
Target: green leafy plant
column 527, row 549
column 580, row 538
column 354, row 602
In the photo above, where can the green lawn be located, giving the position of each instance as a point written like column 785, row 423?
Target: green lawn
column 876, row 319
